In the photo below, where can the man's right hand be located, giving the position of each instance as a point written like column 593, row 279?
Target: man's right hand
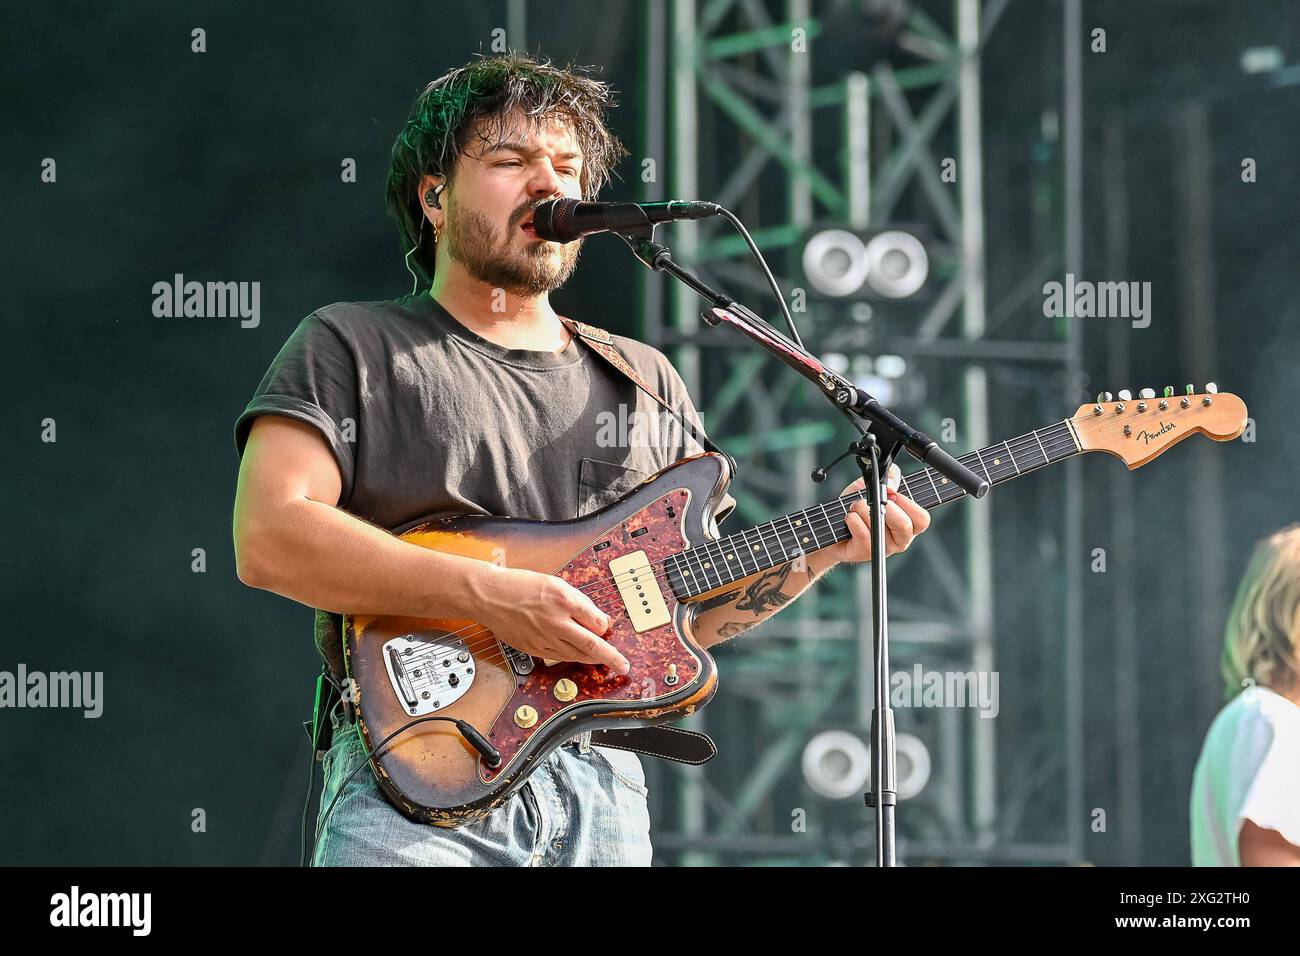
column 547, row 617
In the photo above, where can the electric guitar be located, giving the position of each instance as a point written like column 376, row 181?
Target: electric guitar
column 454, row 719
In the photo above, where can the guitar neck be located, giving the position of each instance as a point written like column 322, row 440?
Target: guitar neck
column 715, row 564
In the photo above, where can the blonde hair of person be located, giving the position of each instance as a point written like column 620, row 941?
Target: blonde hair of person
column 1262, row 638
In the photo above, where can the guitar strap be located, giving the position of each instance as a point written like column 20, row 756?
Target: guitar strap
column 603, row 344
column 671, row 743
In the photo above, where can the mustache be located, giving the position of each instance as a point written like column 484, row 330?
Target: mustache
column 524, row 210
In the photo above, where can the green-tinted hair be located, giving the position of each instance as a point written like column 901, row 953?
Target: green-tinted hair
column 478, row 99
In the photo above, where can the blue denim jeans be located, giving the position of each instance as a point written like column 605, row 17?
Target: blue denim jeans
column 584, row 806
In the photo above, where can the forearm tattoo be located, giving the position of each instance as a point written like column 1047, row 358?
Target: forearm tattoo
column 762, row 596
column 718, row 600
column 764, row 593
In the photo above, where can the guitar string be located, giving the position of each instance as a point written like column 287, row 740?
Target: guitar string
column 604, row 587
column 1058, row 441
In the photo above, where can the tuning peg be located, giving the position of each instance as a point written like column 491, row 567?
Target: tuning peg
column 1212, row 389
column 1104, row 397
column 1147, row 393
column 1125, row 395
column 1169, row 391
column 1191, row 389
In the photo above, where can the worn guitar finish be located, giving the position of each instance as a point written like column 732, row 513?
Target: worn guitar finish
column 647, row 560
column 429, row 771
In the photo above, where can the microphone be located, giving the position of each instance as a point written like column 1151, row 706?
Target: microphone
column 918, row 444
column 564, row 220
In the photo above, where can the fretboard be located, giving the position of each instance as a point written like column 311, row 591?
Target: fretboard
column 715, row 564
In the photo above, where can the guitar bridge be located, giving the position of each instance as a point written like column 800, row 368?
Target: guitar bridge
column 428, row 674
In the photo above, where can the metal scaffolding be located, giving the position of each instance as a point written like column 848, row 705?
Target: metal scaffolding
column 741, row 74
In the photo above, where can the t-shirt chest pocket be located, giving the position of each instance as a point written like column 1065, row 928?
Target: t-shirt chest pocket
column 603, row 482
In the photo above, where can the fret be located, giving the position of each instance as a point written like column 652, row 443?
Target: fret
column 1046, row 459
column 784, row 553
column 938, row 498
column 1028, row 441
column 698, row 572
column 749, row 552
column 715, row 550
column 799, row 549
column 807, row 520
column 834, row 531
column 1056, row 453
column 738, row 555
column 729, row 565
column 751, row 548
column 1012, row 456
column 711, row 562
column 683, row 563
column 735, row 569
column 944, row 483
column 689, row 576
column 762, row 541
column 674, row 567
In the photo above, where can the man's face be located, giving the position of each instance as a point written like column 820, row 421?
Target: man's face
column 489, row 208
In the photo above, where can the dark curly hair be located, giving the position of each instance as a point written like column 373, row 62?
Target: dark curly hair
column 479, row 97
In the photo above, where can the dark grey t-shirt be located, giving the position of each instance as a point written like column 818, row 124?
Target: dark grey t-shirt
column 428, row 419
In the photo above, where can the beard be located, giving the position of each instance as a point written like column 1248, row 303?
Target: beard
column 520, row 266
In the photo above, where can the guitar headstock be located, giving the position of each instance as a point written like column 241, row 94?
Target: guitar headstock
column 1139, row 429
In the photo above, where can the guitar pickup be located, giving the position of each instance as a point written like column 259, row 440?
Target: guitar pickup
column 638, row 586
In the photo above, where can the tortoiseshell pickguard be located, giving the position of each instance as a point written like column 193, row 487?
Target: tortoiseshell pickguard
column 649, row 652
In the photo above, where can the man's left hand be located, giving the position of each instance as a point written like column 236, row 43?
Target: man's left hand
column 904, row 520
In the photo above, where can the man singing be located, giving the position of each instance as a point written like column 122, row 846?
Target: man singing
column 473, row 397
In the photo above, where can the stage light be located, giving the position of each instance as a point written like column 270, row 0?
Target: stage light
column 897, row 265
column 837, row 765
column 889, row 263
column 835, row 262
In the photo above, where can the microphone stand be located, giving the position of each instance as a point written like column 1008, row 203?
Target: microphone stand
column 881, row 435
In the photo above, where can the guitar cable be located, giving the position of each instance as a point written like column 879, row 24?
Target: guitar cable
column 471, row 734
column 476, row 739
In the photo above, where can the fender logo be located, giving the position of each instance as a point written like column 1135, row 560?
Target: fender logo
column 1151, row 436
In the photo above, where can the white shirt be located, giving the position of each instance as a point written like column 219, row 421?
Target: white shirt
column 1249, row 769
